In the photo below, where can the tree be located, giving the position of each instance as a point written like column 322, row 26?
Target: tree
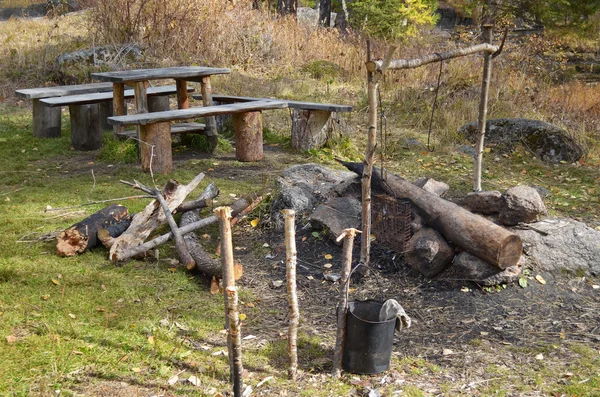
column 325, row 13
column 287, row 7
column 392, row 19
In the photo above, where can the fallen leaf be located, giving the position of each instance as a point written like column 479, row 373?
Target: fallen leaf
column 447, row 352
column 265, row 380
column 136, row 370
column 523, row 282
column 249, row 337
column 277, row 283
column 266, row 245
column 242, row 317
column 172, row 269
column 219, row 353
column 254, row 222
column 194, row 381
column 328, row 266
column 540, row 279
column 304, row 239
column 310, row 277
column 596, row 286
column 151, row 340
column 72, row 316
column 11, row 339
column 539, row 357
column 214, row 286
column 77, row 353
column 247, row 391
column 172, row 380
column 328, row 256
column 45, row 297
column 464, row 289
column 55, row 281
column 232, row 195
column 487, row 150
column 250, row 304
column 100, row 309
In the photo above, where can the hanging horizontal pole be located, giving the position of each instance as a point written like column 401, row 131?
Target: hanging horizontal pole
column 376, row 66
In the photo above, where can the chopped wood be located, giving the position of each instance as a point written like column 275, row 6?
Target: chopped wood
column 469, row 231
column 348, row 237
column 289, row 217
column 236, row 207
column 83, row 235
column 203, row 201
column 150, row 218
column 246, row 210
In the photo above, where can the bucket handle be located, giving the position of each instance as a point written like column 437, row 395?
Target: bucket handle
column 372, row 271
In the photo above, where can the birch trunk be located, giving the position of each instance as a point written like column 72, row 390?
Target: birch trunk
column 294, row 315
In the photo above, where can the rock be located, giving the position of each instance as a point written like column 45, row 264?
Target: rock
column 521, row 204
column 337, row 214
column 486, row 202
column 101, row 55
column 410, row 143
column 468, row 267
column 432, row 186
column 466, row 149
column 417, row 223
column 350, row 188
column 542, row 191
column 310, row 16
column 549, row 142
column 428, row 252
column 563, row 244
column 302, row 187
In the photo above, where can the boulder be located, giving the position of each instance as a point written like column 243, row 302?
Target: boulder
column 521, row 204
column 100, row 55
column 428, row 252
column 486, row 202
column 549, row 142
column 562, row 244
column 337, row 214
column 432, row 186
column 310, row 16
column 467, row 267
column 303, row 186
column 466, row 149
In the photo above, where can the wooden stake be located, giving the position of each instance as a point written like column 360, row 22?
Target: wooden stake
column 224, row 216
column 348, row 236
column 289, row 217
column 483, row 106
column 235, row 339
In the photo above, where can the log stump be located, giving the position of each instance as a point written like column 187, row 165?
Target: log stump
column 310, row 128
column 155, row 147
column 248, row 136
column 105, row 110
column 46, row 120
column 158, row 103
column 85, row 127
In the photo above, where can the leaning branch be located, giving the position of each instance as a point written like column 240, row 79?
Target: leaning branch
column 375, row 66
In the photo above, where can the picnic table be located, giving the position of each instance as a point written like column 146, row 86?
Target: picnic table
column 140, row 81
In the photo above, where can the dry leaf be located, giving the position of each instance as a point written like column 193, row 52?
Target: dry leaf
column 55, row 281
column 328, row 265
column 238, row 271
column 242, row 317
column 539, row 357
column 447, row 352
column 45, row 297
column 540, row 279
column 304, row 239
column 72, row 316
column 250, row 304
column 172, row 380
column 11, row 339
column 328, row 256
column 214, row 286
column 136, row 370
column 254, row 222
column 151, row 340
column 487, row 150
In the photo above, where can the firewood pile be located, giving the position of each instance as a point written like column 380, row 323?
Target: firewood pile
column 126, row 235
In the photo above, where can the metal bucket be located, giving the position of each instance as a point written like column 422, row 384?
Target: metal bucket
column 368, row 342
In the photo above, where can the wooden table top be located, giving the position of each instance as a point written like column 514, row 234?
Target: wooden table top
column 179, row 72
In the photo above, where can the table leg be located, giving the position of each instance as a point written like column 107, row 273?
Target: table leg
column 183, row 101
column 211, row 123
column 46, row 120
column 119, row 104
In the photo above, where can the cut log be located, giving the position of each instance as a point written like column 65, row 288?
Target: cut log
column 471, row 232
column 85, row 127
column 46, row 120
column 83, row 235
column 236, row 207
column 248, row 136
column 151, row 217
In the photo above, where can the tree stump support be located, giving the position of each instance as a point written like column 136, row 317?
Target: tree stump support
column 310, row 128
column 248, row 136
column 85, row 127
column 46, row 120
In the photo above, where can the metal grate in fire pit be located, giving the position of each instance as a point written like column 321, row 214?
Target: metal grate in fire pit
column 391, row 218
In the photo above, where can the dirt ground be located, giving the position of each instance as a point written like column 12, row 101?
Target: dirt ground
column 463, row 338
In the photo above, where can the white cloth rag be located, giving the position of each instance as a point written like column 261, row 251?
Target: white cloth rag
column 390, row 309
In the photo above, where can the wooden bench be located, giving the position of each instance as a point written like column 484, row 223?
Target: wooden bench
column 46, row 121
column 310, row 121
column 155, row 130
column 87, row 122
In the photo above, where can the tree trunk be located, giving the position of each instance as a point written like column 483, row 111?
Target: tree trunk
column 83, row 235
column 469, row 231
column 287, row 7
column 294, row 316
column 325, row 13
column 151, row 217
column 248, row 136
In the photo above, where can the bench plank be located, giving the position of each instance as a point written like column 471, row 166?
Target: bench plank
column 328, row 107
column 87, row 99
column 186, row 114
column 127, row 76
column 46, row 92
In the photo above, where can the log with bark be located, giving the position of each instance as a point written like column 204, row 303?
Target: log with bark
column 150, row 218
column 471, row 232
column 83, row 235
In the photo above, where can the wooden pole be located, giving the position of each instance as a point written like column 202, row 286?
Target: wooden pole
column 348, row 237
column 483, row 107
column 235, row 337
column 373, row 80
column 224, row 215
column 289, row 217
column 373, row 66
